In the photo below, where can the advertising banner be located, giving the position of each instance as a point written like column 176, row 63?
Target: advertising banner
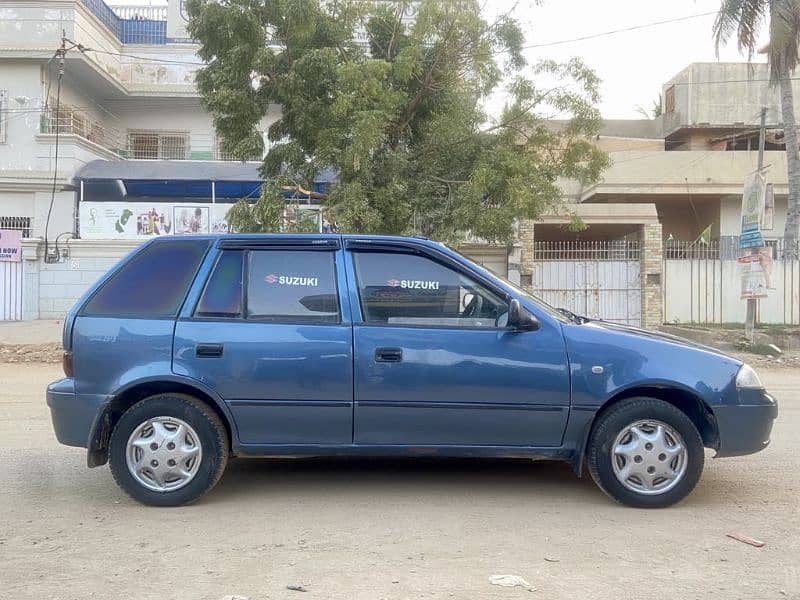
column 132, row 220
column 755, row 186
column 10, row 245
column 756, row 270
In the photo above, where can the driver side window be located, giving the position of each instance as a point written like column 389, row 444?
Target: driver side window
column 408, row 289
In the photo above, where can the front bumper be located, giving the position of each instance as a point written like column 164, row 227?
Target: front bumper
column 72, row 414
column 745, row 428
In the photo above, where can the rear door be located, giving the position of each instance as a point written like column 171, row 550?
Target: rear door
column 269, row 333
column 435, row 364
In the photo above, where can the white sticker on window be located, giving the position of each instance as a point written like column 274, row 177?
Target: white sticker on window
column 414, row 284
column 292, row 280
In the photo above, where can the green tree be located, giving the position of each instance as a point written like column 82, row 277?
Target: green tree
column 743, row 19
column 398, row 117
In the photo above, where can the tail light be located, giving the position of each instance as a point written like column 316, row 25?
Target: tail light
column 66, row 364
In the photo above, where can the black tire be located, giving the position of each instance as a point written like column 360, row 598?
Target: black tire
column 213, row 439
column 609, row 425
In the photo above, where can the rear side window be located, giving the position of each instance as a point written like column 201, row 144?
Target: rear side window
column 223, row 294
column 292, row 286
column 152, row 284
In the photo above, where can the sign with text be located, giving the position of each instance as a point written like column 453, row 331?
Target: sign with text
column 755, row 186
column 10, row 245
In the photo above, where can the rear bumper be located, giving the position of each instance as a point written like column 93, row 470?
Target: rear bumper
column 746, row 428
column 73, row 415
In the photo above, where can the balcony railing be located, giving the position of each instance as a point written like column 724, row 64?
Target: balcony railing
column 67, row 120
column 132, row 24
column 141, row 13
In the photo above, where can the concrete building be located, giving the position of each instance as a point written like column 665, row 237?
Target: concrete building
column 692, row 160
column 671, row 178
column 126, row 95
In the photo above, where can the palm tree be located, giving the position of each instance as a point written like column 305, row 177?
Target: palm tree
column 743, row 19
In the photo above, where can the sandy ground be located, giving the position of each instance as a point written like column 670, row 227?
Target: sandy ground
column 387, row 529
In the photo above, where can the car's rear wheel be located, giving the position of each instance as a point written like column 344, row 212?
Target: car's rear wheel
column 168, row 450
column 646, row 453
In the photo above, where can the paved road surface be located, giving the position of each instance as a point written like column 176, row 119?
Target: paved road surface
column 387, row 529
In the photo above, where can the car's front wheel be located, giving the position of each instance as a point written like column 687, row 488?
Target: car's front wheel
column 168, row 450
column 645, row 453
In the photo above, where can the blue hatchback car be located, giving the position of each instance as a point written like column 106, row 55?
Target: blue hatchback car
column 194, row 349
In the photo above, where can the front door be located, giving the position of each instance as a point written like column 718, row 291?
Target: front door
column 435, row 365
column 269, row 335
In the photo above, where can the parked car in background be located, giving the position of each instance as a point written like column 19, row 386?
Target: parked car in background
column 197, row 348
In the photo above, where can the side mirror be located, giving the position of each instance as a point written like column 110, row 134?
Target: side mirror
column 519, row 319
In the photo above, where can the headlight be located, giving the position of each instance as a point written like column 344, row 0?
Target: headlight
column 748, row 378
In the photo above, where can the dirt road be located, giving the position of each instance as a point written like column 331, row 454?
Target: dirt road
column 387, row 529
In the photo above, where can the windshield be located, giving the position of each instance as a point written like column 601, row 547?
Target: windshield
column 550, row 310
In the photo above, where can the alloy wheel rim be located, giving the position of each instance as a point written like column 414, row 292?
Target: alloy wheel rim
column 649, row 457
column 163, row 454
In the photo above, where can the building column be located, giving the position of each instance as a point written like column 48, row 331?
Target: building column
column 521, row 259
column 652, row 265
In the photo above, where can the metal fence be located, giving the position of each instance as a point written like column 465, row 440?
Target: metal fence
column 67, row 120
column 140, row 13
column 132, row 24
column 23, row 224
column 726, row 248
column 599, row 279
column 600, row 250
column 157, row 145
column 702, row 283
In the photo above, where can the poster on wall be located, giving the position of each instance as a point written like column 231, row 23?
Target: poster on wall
column 136, row 220
column 10, row 245
column 191, row 219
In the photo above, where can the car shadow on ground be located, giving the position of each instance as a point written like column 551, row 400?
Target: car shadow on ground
column 412, row 476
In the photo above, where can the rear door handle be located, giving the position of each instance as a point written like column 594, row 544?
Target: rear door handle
column 389, row 355
column 208, row 350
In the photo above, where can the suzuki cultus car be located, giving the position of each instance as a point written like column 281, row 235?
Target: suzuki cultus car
column 194, row 349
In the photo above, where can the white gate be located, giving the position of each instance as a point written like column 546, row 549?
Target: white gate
column 11, row 284
column 597, row 279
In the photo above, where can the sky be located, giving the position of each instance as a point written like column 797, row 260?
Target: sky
column 633, row 65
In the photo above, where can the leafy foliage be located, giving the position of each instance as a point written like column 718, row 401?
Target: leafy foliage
column 399, row 117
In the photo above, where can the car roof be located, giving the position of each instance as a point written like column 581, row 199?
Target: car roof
column 245, row 237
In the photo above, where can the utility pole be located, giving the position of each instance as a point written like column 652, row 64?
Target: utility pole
column 752, row 303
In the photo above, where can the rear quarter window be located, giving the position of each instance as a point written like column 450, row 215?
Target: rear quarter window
column 152, row 284
column 292, row 286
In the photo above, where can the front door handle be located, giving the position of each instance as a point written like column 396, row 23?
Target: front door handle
column 389, row 355
column 208, row 350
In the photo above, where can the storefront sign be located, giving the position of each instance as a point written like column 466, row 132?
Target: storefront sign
column 131, row 220
column 10, row 245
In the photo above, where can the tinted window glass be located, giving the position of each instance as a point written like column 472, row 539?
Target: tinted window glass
column 153, row 283
column 223, row 294
column 292, row 286
column 407, row 289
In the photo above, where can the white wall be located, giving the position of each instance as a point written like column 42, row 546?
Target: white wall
column 22, row 82
column 707, row 291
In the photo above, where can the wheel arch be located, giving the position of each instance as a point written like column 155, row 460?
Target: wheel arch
column 132, row 393
column 693, row 406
